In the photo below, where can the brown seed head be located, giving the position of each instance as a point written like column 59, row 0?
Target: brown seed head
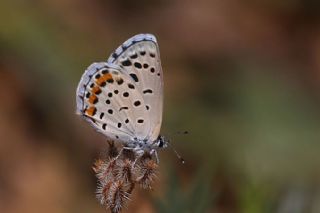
column 118, row 195
column 124, row 171
column 148, row 172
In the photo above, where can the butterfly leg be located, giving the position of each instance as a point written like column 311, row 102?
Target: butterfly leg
column 121, row 151
column 153, row 151
column 135, row 161
column 139, row 153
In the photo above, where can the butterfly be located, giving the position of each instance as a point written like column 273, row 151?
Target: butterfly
column 122, row 98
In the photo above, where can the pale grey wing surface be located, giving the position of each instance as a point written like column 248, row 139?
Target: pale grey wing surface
column 110, row 101
column 139, row 58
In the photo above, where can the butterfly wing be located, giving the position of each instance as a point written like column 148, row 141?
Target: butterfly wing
column 139, row 58
column 110, row 101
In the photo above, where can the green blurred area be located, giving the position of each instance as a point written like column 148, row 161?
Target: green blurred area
column 241, row 76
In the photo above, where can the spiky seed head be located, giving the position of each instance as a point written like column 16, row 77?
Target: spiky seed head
column 118, row 195
column 147, row 173
column 124, row 170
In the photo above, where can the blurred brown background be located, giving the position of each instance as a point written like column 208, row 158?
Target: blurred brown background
column 243, row 77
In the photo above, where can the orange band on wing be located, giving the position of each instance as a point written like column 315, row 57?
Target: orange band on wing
column 100, row 80
column 107, row 76
column 96, row 90
column 92, row 99
column 103, row 79
column 91, row 111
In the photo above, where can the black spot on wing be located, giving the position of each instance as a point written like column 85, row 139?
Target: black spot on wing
column 134, row 77
column 114, row 55
column 119, row 81
column 123, row 108
column 138, row 65
column 134, row 56
column 137, row 103
column 124, row 47
column 110, row 80
column 104, row 71
column 131, row 86
column 126, row 63
column 147, row 91
column 125, row 94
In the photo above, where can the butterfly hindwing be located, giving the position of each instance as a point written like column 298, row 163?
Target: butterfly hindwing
column 112, row 103
column 139, row 59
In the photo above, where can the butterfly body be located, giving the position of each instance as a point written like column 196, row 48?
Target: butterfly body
column 141, row 146
column 123, row 97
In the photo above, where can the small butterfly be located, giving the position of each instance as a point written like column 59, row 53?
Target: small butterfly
column 123, row 97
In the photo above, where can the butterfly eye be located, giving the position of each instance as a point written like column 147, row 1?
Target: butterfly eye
column 160, row 144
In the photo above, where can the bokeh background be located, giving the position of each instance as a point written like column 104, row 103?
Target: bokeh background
column 243, row 77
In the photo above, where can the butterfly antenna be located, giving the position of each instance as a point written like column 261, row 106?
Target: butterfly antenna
column 182, row 132
column 177, row 154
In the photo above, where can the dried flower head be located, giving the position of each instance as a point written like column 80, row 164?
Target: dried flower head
column 119, row 193
column 124, row 170
column 118, row 174
column 147, row 173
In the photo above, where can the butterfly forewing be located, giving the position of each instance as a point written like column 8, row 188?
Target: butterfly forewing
column 139, row 59
column 111, row 102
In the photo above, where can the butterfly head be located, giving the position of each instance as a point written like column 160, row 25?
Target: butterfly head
column 161, row 142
